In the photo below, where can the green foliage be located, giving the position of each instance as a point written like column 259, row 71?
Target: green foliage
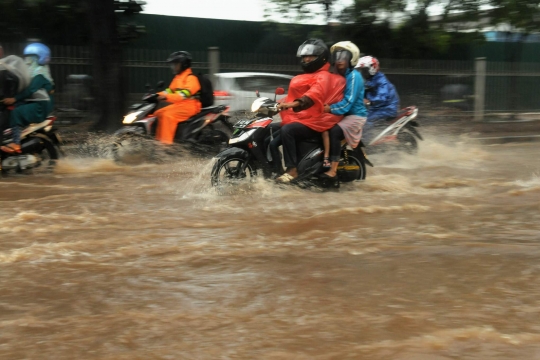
column 522, row 15
column 368, row 23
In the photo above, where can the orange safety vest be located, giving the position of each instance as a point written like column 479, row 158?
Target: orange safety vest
column 184, row 105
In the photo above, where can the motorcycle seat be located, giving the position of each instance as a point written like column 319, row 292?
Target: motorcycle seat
column 207, row 110
column 33, row 127
column 403, row 112
column 214, row 108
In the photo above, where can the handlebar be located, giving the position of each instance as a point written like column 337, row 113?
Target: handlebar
column 150, row 97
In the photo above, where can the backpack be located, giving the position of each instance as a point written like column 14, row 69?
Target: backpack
column 206, row 94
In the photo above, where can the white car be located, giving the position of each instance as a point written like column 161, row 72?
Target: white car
column 237, row 89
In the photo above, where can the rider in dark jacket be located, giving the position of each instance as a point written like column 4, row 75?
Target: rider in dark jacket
column 380, row 94
column 35, row 102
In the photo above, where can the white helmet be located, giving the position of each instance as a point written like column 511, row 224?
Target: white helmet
column 368, row 64
column 350, row 47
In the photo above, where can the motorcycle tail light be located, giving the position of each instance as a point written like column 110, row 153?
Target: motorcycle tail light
column 222, row 94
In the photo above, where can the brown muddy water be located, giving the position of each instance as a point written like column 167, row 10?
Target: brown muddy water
column 432, row 257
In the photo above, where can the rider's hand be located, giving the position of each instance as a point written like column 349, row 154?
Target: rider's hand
column 9, row 101
column 367, row 102
column 162, row 97
column 326, row 108
column 290, row 105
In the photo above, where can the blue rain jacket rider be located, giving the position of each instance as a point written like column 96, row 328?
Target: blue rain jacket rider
column 383, row 97
column 353, row 99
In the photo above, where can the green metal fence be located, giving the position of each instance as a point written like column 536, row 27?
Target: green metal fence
column 510, row 87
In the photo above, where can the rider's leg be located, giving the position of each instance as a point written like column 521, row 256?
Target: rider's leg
column 274, row 145
column 290, row 133
column 326, row 143
column 20, row 117
column 336, row 135
column 168, row 119
column 276, row 154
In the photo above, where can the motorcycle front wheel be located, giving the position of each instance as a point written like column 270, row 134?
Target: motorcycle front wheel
column 231, row 171
column 132, row 148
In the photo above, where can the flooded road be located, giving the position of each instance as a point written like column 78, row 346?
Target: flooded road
column 432, row 257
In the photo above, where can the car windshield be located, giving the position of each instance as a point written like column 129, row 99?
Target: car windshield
column 266, row 84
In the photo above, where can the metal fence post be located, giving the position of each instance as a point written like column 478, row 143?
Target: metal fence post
column 213, row 62
column 479, row 88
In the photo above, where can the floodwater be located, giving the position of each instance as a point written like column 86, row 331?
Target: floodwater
column 435, row 256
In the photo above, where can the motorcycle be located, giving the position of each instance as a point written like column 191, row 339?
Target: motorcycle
column 40, row 143
column 400, row 134
column 207, row 132
column 249, row 153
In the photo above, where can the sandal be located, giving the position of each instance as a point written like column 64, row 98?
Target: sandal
column 326, row 163
column 326, row 176
column 11, row 148
column 285, row 179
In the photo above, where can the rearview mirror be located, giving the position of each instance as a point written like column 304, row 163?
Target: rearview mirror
column 147, row 87
column 160, row 85
column 280, row 91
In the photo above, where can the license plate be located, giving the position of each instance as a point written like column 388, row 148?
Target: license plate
column 242, row 124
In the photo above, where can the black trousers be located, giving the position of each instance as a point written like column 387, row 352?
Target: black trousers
column 336, row 135
column 274, row 147
column 290, row 134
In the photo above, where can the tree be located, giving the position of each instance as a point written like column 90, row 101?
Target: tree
column 520, row 15
column 107, row 57
column 391, row 28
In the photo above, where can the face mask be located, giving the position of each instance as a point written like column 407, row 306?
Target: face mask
column 29, row 60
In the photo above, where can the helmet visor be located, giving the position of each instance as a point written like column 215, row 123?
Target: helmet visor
column 365, row 72
column 342, row 56
column 309, row 49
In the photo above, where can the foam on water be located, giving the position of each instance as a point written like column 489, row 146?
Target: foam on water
column 435, row 152
column 429, row 257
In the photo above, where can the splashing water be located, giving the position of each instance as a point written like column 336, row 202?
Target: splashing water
column 434, row 256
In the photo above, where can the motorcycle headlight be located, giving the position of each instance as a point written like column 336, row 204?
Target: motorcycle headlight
column 129, row 118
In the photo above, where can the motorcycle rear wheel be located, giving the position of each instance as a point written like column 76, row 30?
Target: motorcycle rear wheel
column 49, row 155
column 353, row 170
column 407, row 143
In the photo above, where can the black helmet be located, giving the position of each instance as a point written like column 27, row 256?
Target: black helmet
column 313, row 47
column 181, row 57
